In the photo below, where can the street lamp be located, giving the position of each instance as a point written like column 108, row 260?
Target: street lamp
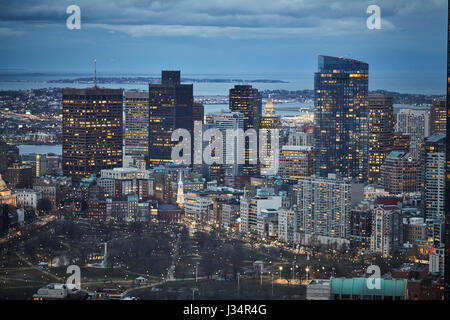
column 280, row 268
column 238, row 275
column 307, row 271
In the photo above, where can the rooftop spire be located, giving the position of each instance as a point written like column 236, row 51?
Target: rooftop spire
column 269, row 110
column 95, row 73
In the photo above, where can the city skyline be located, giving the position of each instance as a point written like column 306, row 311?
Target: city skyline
column 253, row 183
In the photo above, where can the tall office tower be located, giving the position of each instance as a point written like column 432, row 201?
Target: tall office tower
column 248, row 101
column 341, row 124
column 136, row 123
column 401, row 142
column 416, row 124
column 435, row 176
column 323, row 207
column 270, row 122
column 438, row 116
column 387, row 230
column 400, row 173
column 296, row 162
column 381, row 130
column 198, row 112
column 170, row 108
column 92, row 131
column 226, row 121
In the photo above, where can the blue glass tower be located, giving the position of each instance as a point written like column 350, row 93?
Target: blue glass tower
column 341, row 118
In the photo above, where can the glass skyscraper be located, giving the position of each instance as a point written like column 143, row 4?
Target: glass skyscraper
column 341, row 118
column 248, row 101
column 170, row 108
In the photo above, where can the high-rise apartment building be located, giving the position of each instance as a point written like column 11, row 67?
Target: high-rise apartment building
column 341, row 125
column 434, row 188
column 387, row 230
column 92, row 131
column 136, row 123
column 323, row 207
column 170, row 108
column 381, row 130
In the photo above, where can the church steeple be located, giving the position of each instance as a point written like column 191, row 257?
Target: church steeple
column 180, row 191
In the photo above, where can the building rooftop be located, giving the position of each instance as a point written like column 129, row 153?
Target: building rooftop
column 358, row 286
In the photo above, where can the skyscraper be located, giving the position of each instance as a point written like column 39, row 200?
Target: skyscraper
column 198, row 112
column 381, row 130
column 248, row 101
column 438, row 116
column 136, row 123
column 434, row 176
column 230, row 167
column 170, row 108
column 269, row 124
column 341, row 118
column 92, row 131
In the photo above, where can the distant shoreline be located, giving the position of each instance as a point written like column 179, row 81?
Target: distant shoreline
column 146, row 80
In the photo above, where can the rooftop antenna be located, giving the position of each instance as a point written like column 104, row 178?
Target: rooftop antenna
column 95, row 73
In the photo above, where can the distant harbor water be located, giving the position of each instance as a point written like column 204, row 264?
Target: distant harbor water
column 40, row 148
column 294, row 81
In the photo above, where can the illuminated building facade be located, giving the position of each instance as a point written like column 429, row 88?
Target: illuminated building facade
column 269, row 122
column 225, row 172
column 387, row 230
column 6, row 196
column 341, row 118
column 296, row 162
column 435, row 176
column 400, row 173
column 438, row 117
column 248, row 101
column 92, row 131
column 401, row 142
column 170, row 108
column 381, row 130
column 136, row 123
column 323, row 207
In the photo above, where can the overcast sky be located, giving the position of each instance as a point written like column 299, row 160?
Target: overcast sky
column 217, row 36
